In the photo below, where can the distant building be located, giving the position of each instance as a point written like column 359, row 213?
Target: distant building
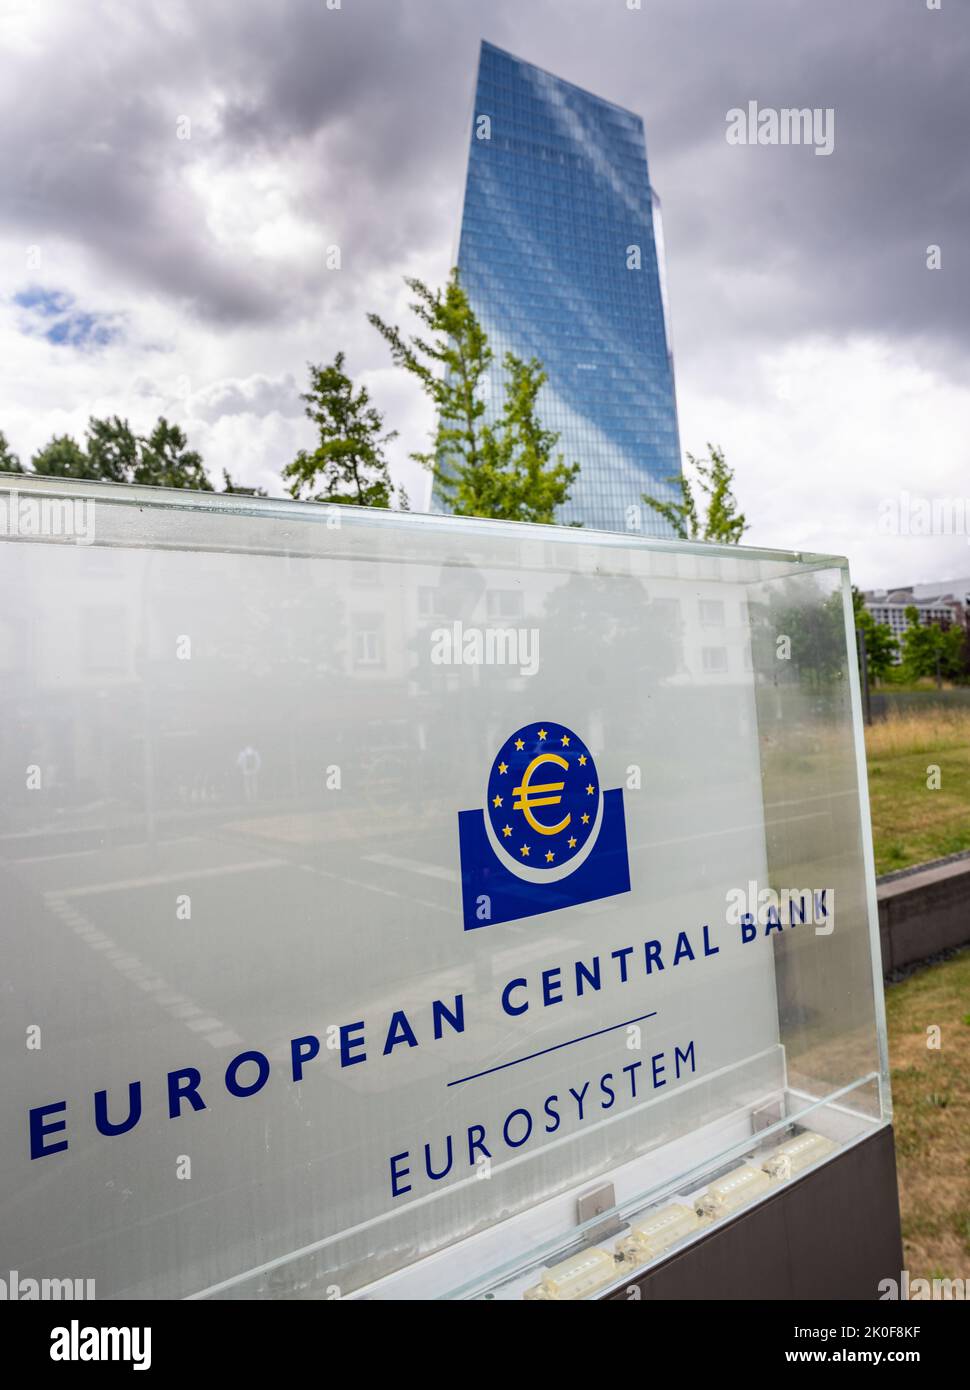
column 561, row 256
column 944, row 608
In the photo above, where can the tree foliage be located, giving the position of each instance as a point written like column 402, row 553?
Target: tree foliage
column 348, row 465
column 503, row 470
column 881, row 645
column 113, row 449
column 714, row 480
column 63, row 457
column 448, row 356
column 516, row 479
column 165, row 460
column 112, row 452
column 9, row 461
column 931, row 650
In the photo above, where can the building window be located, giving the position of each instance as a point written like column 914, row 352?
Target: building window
column 504, row 603
column 712, row 612
column 714, row 659
column 368, row 643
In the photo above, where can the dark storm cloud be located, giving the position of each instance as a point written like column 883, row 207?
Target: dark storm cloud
column 774, row 241
column 370, row 105
column 352, row 99
column 88, row 145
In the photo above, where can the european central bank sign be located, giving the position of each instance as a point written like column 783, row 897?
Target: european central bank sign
column 548, row 836
column 272, row 1032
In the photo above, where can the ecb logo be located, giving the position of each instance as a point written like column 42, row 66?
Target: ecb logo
column 549, row 836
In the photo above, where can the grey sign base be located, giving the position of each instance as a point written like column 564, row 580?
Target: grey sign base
column 834, row 1234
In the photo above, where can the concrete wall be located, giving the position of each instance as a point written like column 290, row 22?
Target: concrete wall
column 924, row 911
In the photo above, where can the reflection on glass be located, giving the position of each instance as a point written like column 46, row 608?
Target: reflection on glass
column 234, row 746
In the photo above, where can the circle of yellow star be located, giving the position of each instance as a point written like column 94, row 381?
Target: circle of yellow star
column 589, row 789
column 542, row 733
column 524, row 851
column 586, row 820
column 572, row 842
column 565, row 740
column 496, row 801
column 506, row 830
column 519, row 744
column 503, row 767
column 550, row 857
column 582, row 759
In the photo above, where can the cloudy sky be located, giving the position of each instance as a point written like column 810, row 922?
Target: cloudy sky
column 142, row 272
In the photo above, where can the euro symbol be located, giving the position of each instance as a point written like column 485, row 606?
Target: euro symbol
column 533, row 796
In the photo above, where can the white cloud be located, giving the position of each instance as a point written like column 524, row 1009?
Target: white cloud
column 254, row 395
column 821, row 432
column 252, row 448
column 311, row 127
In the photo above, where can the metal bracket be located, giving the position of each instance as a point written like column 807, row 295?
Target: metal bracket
column 767, row 1115
column 594, row 1203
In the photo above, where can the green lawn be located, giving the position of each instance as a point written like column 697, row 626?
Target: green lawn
column 931, row 1102
column 912, row 821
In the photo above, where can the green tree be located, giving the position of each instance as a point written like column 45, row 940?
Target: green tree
column 524, row 485
column 112, row 448
column 165, row 460
column 113, row 453
column 929, row 650
column 881, row 645
column 952, row 653
column 715, row 479
column 9, row 461
column 450, row 366
column 503, row 470
column 63, row 457
column 348, row 464
column 513, row 479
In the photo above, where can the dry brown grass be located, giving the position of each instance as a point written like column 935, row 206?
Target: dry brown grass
column 925, row 731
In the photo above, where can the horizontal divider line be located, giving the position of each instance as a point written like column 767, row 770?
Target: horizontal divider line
column 555, row 1048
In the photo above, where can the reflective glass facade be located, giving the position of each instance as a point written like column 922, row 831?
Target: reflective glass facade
column 561, row 257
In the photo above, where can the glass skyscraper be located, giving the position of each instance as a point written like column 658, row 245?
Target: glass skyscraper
column 561, row 256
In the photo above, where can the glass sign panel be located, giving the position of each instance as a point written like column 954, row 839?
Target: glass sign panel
column 378, row 885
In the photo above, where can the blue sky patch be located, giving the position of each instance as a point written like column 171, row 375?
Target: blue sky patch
column 54, row 315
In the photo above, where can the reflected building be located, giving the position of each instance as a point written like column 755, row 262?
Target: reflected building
column 243, row 716
column 561, row 255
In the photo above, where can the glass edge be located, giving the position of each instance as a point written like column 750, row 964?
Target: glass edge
column 176, row 499
column 649, row 1197
column 868, row 852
